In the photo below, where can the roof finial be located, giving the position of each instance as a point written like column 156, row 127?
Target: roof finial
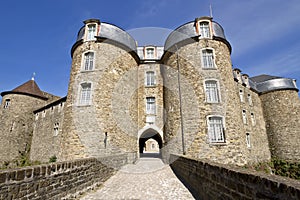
column 33, row 75
column 210, row 10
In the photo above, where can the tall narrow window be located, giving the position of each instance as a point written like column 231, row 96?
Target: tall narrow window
column 150, row 78
column 85, row 94
column 253, row 119
column 208, row 58
column 91, row 32
column 248, row 141
column 211, row 91
column 249, row 99
column 56, row 125
column 215, row 129
column 244, row 115
column 204, row 30
column 150, row 53
column 89, row 61
column 241, row 96
column 6, row 103
column 150, row 105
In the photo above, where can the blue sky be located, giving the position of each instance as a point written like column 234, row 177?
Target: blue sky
column 36, row 36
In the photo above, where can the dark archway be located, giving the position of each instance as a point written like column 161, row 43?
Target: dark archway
column 149, row 134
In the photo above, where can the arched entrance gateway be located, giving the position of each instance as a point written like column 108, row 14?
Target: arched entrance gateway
column 150, row 143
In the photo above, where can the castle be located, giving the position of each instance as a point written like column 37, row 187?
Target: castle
column 184, row 95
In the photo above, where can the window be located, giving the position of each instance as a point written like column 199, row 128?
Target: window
column 241, row 95
column 150, row 105
column 6, row 103
column 253, row 119
column 244, row 116
column 91, row 31
column 85, row 94
column 248, row 142
column 211, row 91
column 249, row 99
column 150, row 78
column 56, row 125
column 150, row 53
column 88, row 61
column 208, row 59
column 204, row 30
column 215, row 129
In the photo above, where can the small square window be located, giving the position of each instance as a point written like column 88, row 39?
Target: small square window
column 6, row 103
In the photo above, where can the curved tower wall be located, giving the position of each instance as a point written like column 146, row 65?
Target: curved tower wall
column 106, row 124
column 281, row 112
column 195, row 108
column 16, row 125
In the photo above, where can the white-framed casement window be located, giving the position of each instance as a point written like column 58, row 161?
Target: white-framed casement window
column 150, row 78
column 6, row 103
column 88, row 61
column 56, row 126
column 85, row 94
column 150, row 106
column 253, row 119
column 149, row 53
column 248, row 141
column 250, row 99
column 208, row 59
column 204, row 29
column 91, row 31
column 241, row 93
column 212, row 91
column 244, row 115
column 216, row 131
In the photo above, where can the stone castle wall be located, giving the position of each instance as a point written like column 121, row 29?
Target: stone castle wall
column 16, row 126
column 281, row 113
column 47, row 133
column 113, row 105
column 195, row 109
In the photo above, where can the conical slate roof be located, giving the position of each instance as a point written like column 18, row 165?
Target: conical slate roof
column 30, row 88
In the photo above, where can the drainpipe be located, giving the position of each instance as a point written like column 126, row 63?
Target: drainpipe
column 180, row 102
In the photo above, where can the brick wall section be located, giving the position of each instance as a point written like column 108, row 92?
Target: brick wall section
column 61, row 180
column 215, row 181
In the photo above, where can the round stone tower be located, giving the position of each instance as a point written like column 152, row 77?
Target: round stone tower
column 16, row 114
column 100, row 111
column 281, row 107
column 203, row 114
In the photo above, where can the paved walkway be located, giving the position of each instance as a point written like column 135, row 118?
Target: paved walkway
column 148, row 179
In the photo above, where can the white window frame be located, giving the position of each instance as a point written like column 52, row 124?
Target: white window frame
column 6, row 103
column 150, row 105
column 150, row 78
column 248, row 140
column 244, row 116
column 216, row 130
column 85, row 95
column 152, row 55
column 204, row 31
column 253, row 121
column 88, row 64
column 249, row 97
column 90, row 35
column 208, row 61
column 208, row 97
column 56, row 129
column 241, row 94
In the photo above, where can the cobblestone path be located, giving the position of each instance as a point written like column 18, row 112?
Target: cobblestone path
column 149, row 179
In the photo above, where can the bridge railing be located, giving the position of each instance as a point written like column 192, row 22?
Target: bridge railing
column 214, row 181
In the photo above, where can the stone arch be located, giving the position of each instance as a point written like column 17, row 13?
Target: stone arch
column 149, row 132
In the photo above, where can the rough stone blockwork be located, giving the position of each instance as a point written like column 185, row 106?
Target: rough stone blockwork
column 211, row 181
column 61, row 180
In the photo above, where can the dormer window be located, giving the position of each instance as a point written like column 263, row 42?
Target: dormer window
column 204, row 29
column 91, row 32
column 150, row 53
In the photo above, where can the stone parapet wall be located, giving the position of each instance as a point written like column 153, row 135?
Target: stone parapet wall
column 62, row 180
column 215, row 181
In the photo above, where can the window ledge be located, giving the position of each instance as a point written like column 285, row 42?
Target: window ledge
column 217, row 144
column 150, row 86
column 206, row 68
column 86, row 71
column 85, row 105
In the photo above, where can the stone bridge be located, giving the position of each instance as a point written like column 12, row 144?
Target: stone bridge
column 112, row 178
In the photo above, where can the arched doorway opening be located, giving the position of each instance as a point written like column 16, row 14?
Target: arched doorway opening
column 150, row 144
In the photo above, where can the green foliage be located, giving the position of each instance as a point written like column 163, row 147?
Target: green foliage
column 286, row 168
column 52, row 159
